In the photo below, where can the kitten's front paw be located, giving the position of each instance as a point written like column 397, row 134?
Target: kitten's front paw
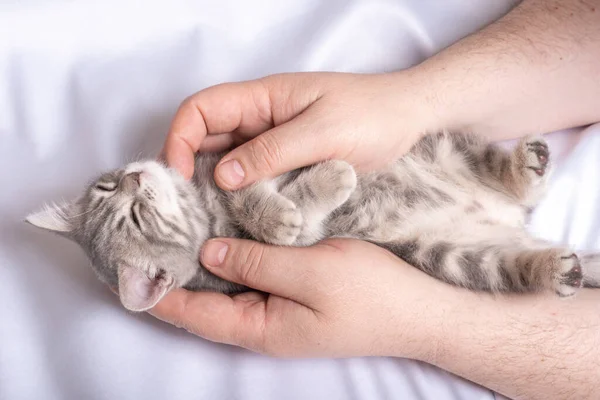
column 537, row 156
column 343, row 180
column 282, row 224
column 569, row 276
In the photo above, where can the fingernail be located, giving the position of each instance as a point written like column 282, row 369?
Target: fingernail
column 231, row 172
column 214, row 253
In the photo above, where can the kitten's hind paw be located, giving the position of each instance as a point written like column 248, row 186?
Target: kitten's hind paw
column 537, row 156
column 569, row 276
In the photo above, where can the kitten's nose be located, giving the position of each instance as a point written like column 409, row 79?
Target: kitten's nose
column 131, row 181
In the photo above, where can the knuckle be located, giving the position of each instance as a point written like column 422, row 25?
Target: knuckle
column 263, row 103
column 266, row 154
column 250, row 264
column 187, row 103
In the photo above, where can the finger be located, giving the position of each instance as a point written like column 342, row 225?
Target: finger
column 291, row 272
column 242, row 106
column 237, row 320
column 216, row 143
column 211, row 144
column 297, row 143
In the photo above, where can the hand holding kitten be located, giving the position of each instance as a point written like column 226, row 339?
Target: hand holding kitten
column 283, row 122
column 338, row 298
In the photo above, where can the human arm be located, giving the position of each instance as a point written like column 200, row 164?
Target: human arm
column 345, row 298
column 534, row 70
column 525, row 347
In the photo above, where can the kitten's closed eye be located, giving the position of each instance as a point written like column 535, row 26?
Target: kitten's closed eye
column 106, row 186
column 142, row 225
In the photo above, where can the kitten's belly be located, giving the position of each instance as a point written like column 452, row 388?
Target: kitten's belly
column 386, row 215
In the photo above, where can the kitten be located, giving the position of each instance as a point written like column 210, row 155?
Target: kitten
column 454, row 207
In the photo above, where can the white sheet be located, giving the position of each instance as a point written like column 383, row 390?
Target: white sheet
column 85, row 86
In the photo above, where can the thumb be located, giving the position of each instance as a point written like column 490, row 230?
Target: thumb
column 294, row 144
column 291, row 272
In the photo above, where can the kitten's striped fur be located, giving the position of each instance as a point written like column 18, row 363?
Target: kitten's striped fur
column 454, row 207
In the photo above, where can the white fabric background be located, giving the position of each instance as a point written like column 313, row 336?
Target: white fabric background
column 86, row 86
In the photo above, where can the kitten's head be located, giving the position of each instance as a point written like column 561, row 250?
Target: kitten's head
column 141, row 227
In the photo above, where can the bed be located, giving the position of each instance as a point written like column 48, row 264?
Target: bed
column 86, row 86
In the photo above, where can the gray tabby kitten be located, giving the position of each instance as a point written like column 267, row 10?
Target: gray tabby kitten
column 454, row 207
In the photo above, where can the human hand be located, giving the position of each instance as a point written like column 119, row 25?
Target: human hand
column 294, row 120
column 337, row 298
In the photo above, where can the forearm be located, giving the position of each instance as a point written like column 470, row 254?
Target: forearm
column 537, row 69
column 525, row 347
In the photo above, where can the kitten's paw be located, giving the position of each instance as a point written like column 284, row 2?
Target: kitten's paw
column 282, row 224
column 569, row 276
column 343, row 180
column 537, row 156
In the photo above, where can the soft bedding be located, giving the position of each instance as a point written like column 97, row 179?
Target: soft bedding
column 86, row 86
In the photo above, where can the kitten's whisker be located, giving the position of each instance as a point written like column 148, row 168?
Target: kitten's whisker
column 138, row 156
column 62, row 206
column 79, row 215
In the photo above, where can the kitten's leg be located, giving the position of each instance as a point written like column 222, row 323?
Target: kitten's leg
column 523, row 173
column 317, row 191
column 498, row 268
column 591, row 265
column 473, row 266
column 291, row 208
column 265, row 214
column 551, row 268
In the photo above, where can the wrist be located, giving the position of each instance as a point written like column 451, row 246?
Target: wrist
column 417, row 102
column 434, row 328
column 423, row 320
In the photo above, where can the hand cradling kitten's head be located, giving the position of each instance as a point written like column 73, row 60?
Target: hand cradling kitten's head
column 141, row 228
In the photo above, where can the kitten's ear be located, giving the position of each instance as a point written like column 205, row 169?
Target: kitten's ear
column 55, row 218
column 138, row 292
